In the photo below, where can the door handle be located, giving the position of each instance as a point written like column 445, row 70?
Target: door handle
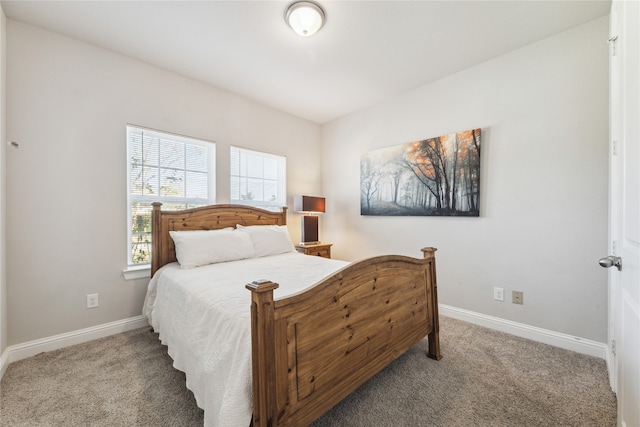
column 611, row 261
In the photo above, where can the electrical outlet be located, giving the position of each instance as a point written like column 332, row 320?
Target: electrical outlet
column 498, row 294
column 517, row 297
column 92, row 301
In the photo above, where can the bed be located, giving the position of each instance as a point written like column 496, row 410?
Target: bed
column 298, row 350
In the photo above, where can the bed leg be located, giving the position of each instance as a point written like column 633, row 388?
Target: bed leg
column 434, row 341
column 434, row 335
column 263, row 353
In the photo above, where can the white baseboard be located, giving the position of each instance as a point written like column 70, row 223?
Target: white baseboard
column 557, row 339
column 22, row 351
column 592, row 348
column 4, row 362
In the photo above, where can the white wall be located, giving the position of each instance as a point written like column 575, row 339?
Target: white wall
column 543, row 111
column 3, row 168
column 68, row 104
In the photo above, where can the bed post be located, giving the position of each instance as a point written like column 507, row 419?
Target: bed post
column 434, row 335
column 155, row 237
column 263, row 353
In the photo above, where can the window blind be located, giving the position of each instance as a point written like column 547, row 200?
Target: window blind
column 257, row 178
column 175, row 170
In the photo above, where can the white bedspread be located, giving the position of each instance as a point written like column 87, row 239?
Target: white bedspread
column 203, row 316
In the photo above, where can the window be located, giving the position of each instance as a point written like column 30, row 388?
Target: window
column 172, row 169
column 258, row 179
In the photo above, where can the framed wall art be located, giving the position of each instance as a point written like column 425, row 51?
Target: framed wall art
column 433, row 177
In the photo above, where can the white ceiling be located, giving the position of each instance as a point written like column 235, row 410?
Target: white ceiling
column 366, row 52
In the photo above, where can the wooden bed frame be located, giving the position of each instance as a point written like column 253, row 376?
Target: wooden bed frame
column 313, row 349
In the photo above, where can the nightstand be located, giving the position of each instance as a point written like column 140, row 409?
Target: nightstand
column 319, row 249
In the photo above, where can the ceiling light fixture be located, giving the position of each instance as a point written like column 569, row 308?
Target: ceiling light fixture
column 305, row 17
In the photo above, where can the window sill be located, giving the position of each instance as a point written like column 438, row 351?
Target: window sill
column 137, row 272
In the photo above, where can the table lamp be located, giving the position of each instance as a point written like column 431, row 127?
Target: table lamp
column 309, row 206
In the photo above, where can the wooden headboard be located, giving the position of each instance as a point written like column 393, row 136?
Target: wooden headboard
column 211, row 217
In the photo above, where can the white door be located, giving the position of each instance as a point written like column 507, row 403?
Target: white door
column 624, row 283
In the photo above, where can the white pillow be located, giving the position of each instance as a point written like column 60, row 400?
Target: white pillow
column 201, row 247
column 269, row 239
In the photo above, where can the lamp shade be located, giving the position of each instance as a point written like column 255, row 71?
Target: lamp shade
column 308, row 204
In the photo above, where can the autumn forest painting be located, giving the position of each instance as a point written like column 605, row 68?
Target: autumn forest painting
column 433, row 177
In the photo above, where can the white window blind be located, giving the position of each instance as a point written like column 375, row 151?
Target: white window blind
column 258, row 179
column 175, row 170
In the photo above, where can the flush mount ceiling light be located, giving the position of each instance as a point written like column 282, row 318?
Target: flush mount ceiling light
column 305, row 17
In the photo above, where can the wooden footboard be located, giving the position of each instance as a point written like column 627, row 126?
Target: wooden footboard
column 313, row 349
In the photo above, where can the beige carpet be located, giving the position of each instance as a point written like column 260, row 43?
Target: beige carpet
column 486, row 378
